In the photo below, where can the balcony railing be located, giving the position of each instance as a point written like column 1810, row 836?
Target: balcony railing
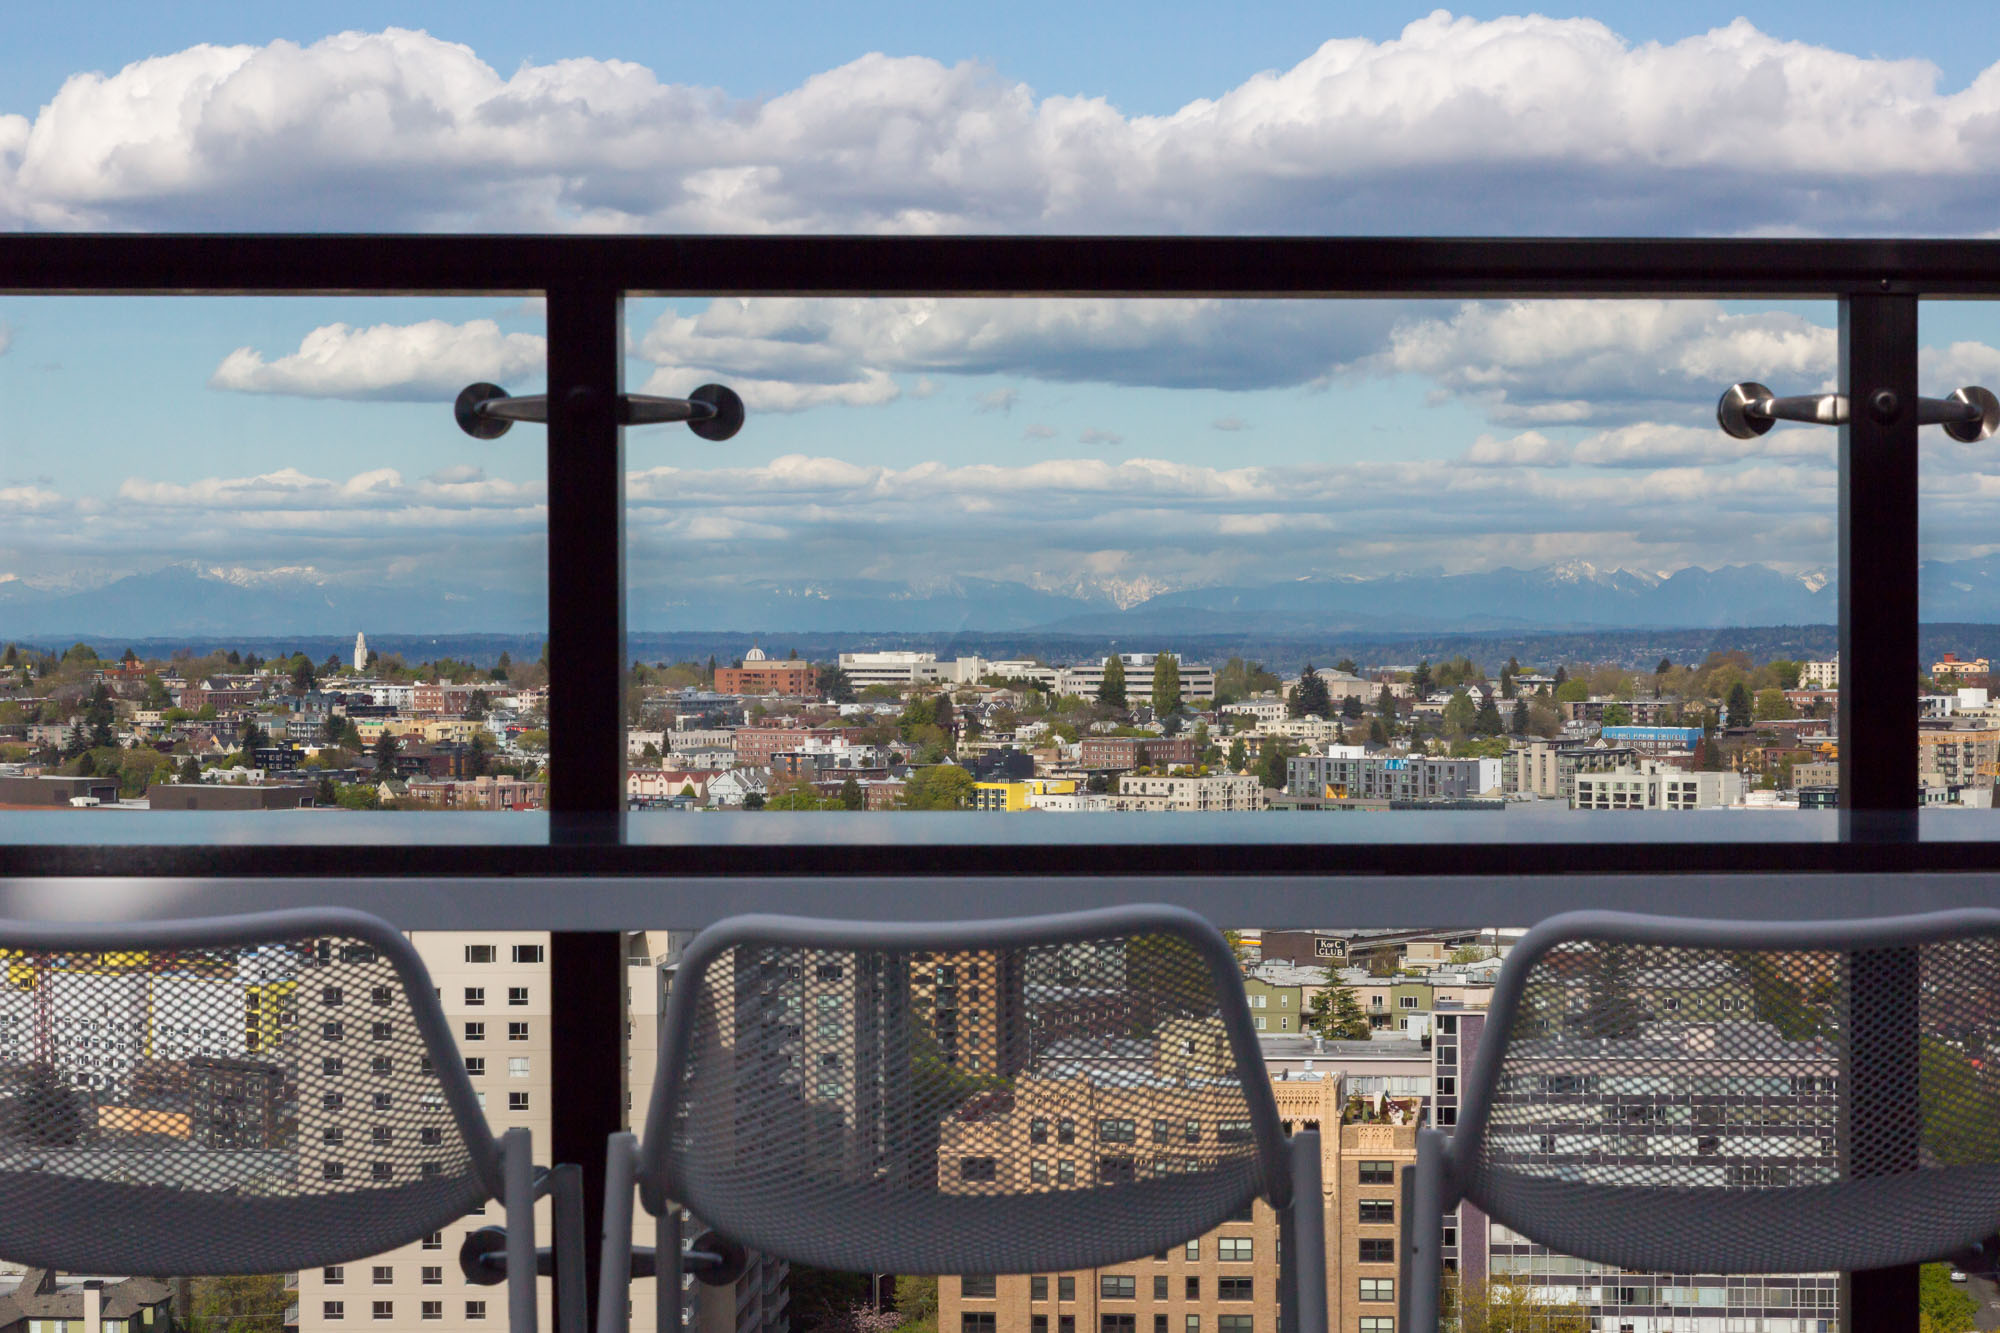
column 586, row 871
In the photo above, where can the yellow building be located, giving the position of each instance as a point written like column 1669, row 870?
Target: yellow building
column 1020, row 795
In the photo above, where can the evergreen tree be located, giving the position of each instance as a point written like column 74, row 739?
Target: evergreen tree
column 1351, row 709
column 851, row 797
column 1488, row 721
column 1378, row 735
column 1507, row 680
column 1348, row 665
column 1111, row 692
column 1666, row 665
column 1310, row 697
column 1336, row 1014
column 1385, row 703
column 1421, row 678
column 1561, row 677
column 325, row 795
column 1520, row 726
column 190, row 769
column 1166, row 684
column 834, row 684
column 386, row 750
column 1239, row 755
column 1739, row 707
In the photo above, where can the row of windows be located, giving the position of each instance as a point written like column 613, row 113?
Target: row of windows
column 517, row 1066
column 489, row 953
column 387, row 1309
column 1122, row 1286
column 476, row 1031
column 428, row 1136
column 1377, row 1173
column 1127, row 1131
column 985, row 1321
column 476, row 995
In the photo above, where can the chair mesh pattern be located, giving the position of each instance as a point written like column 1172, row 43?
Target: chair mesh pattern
column 253, row 1108
column 1696, row 1109
column 972, row 1110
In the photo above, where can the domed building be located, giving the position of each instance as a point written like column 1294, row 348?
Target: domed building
column 760, row 674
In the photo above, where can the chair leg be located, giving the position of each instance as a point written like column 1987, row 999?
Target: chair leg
column 566, row 1193
column 614, row 1272
column 517, row 1171
column 1305, row 1249
column 1424, row 1202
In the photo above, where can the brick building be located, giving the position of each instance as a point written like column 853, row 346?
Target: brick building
column 1129, row 752
column 761, row 675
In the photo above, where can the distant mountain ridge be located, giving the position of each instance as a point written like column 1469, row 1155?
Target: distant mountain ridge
column 182, row 600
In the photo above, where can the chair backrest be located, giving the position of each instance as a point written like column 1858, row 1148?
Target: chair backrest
column 991, row 1097
column 1704, row 1097
column 247, row 1094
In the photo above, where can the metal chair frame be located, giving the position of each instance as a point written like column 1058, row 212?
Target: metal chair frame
column 1289, row 1168
column 1439, row 1180
column 502, row 1165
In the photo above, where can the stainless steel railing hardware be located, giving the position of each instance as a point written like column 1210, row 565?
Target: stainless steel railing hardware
column 487, row 411
column 1749, row 409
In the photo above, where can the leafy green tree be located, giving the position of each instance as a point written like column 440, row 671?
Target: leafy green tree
column 156, row 694
column 1459, row 714
column 917, row 1301
column 1272, row 765
column 754, row 801
column 1502, row 1306
column 1166, row 683
column 939, row 787
column 1941, row 1306
column 1335, row 1013
column 1771, row 705
column 1738, row 707
column 1617, row 715
column 1572, row 692
column 1111, row 690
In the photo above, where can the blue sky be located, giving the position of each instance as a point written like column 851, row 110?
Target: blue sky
column 1125, row 447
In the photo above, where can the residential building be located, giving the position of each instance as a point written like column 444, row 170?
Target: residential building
column 1949, row 669
column 1218, row 792
column 1086, row 678
column 1656, row 786
column 1548, row 769
column 1968, row 756
column 1263, row 709
column 1129, row 752
column 754, row 746
column 1677, row 1103
column 1654, row 740
column 762, row 675
column 1819, row 774
column 1820, row 675
column 1350, row 772
column 41, row 1303
column 1023, row 794
column 1275, row 1007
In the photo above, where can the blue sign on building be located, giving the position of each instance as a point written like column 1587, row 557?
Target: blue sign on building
column 1685, row 738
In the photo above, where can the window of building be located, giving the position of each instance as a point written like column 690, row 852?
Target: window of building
column 475, row 995
column 381, row 1171
column 1117, row 1286
column 332, row 1171
column 1260, row 1022
column 1378, row 1323
column 517, row 1101
column 385, row 1310
column 432, row 1276
column 333, row 1309
column 1191, row 1288
column 1038, row 1130
column 517, row 1031
column 1117, row 1131
column 1376, row 1212
column 475, row 1309
column 1159, row 1286
column 1116, row 1170
column 517, row 995
column 527, row 953
column 1377, row 1173
column 332, row 1134
column 475, row 1031
column 1232, row 1323
column 1193, row 1324
column 1235, row 1289
column 517, row 1066
column 330, row 1101
column 381, row 1064
column 978, row 1321
column 1192, row 1250
column 1378, row 1289
column 1159, row 1323
column 381, row 995
column 433, row 1309
column 1378, row 1251
column 1066, row 1173
column 434, row 1241
column 1065, row 1131
column 1038, row 1323
column 977, row 1286
column 1066, row 1323
column 1038, row 1288
column 430, row 1137
column 332, row 995
column 1162, row 1131
column 333, row 1277
column 1235, row 1249
column 1065, row 1288
column 475, row 1065
column 978, row 1168
column 1447, row 1115
column 481, row 953
column 332, row 1031
column 1118, row 1323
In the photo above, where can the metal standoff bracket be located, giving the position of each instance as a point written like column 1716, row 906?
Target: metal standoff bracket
column 1749, row 409
column 487, row 411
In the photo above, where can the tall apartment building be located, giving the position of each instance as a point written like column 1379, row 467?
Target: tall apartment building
column 1656, row 786
column 1820, row 675
column 1226, row 1280
column 1548, row 769
column 1351, row 773
column 1968, row 756
column 1221, row 792
column 1086, row 678
column 1751, row 1117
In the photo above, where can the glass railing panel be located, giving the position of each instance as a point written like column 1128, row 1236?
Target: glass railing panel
column 962, row 549
column 248, row 562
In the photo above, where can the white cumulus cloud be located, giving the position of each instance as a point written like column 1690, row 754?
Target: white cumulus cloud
column 421, row 362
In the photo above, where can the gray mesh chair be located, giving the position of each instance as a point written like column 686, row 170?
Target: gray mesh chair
column 250, row 1094
column 1682, row 1096
column 992, row 1097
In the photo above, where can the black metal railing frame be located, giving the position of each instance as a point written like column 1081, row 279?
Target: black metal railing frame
column 1865, row 859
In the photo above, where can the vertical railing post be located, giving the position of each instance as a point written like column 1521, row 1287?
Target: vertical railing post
column 586, row 489
column 1878, row 746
